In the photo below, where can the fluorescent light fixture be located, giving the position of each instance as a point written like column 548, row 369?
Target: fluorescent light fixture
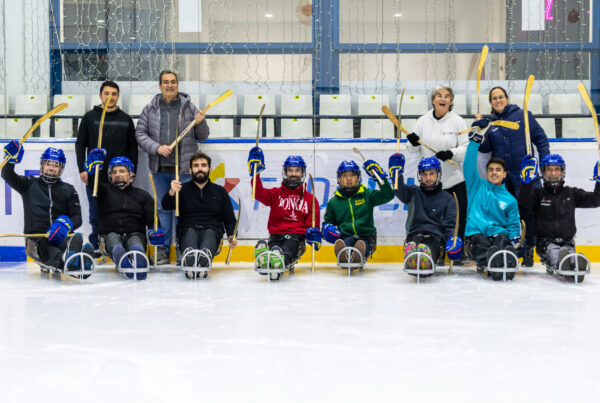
column 398, row 15
column 269, row 15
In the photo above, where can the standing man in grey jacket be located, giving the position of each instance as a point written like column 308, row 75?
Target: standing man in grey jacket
column 156, row 129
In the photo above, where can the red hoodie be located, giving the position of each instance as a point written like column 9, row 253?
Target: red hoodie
column 291, row 210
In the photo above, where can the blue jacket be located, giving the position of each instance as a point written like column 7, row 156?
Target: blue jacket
column 491, row 209
column 510, row 144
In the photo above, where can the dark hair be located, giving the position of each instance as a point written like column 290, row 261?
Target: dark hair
column 162, row 73
column 496, row 161
column 198, row 156
column 109, row 83
column 497, row 88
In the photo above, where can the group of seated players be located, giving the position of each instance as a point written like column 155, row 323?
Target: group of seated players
column 126, row 213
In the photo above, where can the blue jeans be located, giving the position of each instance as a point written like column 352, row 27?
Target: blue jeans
column 166, row 218
column 351, row 241
column 93, row 209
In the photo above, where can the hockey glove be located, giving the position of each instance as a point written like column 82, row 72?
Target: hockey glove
column 157, row 237
column 596, row 176
column 256, row 158
column 313, row 237
column 444, row 155
column 481, row 123
column 476, row 137
column 456, row 252
column 371, row 166
column 413, row 138
column 515, row 241
column 59, row 229
column 14, row 152
column 331, row 233
column 94, row 159
column 396, row 165
column 529, row 169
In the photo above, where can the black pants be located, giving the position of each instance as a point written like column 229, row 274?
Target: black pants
column 460, row 189
column 547, row 249
column 47, row 252
column 433, row 241
column 200, row 238
column 292, row 246
column 482, row 245
column 128, row 241
column 527, row 216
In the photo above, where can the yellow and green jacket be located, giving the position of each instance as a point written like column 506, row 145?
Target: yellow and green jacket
column 354, row 215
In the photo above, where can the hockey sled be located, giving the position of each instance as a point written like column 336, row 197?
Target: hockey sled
column 504, row 268
column 269, row 265
column 195, row 269
column 420, row 258
column 80, row 273
column 344, row 259
column 578, row 272
column 134, row 272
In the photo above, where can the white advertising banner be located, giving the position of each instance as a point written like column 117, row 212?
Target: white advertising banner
column 230, row 170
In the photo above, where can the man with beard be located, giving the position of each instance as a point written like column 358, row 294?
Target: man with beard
column 205, row 212
column 50, row 206
column 349, row 216
column 554, row 209
column 124, row 212
column 431, row 212
column 290, row 217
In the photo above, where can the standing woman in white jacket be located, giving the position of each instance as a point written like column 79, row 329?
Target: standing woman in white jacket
column 438, row 128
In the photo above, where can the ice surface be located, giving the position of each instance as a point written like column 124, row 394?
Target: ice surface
column 374, row 337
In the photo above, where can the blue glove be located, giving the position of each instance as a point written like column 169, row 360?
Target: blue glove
column 476, row 137
column 456, row 252
column 14, row 152
column 481, row 123
column 372, row 165
column 396, row 165
column 529, row 169
column 94, row 159
column 313, row 237
column 157, row 237
column 256, row 158
column 59, row 229
column 596, row 176
column 515, row 241
column 331, row 233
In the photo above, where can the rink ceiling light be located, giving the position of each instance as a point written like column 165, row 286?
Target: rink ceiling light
column 398, row 15
column 269, row 15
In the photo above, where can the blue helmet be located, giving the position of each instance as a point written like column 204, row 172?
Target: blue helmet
column 426, row 164
column 348, row 166
column 293, row 161
column 121, row 162
column 552, row 159
column 56, row 155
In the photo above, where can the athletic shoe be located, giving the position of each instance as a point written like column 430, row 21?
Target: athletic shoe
column 362, row 248
column 410, row 262
column 337, row 247
column 162, row 257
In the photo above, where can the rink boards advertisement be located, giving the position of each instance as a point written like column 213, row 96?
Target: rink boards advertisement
column 229, row 165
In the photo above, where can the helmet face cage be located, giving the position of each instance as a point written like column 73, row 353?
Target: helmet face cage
column 52, row 156
column 348, row 166
column 294, row 161
column 427, row 164
column 553, row 160
column 120, row 162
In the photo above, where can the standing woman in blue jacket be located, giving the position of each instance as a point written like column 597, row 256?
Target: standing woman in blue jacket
column 510, row 145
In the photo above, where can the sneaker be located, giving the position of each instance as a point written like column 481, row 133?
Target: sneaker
column 337, row 247
column 362, row 248
column 162, row 257
column 410, row 261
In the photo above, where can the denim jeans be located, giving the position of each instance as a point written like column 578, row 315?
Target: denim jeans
column 166, row 218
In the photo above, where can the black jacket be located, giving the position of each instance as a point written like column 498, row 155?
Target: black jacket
column 118, row 138
column 209, row 207
column 555, row 209
column 43, row 203
column 123, row 211
column 433, row 212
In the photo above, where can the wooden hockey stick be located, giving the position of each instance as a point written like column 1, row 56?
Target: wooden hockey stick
column 29, row 235
column 100, row 129
column 189, row 127
column 522, row 240
column 155, row 215
column 262, row 109
column 455, row 231
column 36, row 125
column 504, row 123
column 482, row 57
column 177, row 169
column 312, row 186
column 528, row 88
column 356, row 150
column 386, row 110
column 398, row 135
column 235, row 230
column 590, row 106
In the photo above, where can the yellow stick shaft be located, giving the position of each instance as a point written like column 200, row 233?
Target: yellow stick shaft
column 155, row 213
column 312, row 185
column 100, row 129
column 235, row 230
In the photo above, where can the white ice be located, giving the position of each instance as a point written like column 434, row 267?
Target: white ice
column 374, row 337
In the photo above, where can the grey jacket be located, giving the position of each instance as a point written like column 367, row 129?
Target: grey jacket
column 147, row 131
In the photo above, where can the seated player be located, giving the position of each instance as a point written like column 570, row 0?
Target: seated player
column 349, row 216
column 493, row 213
column 290, row 217
column 431, row 212
column 124, row 212
column 47, row 200
column 205, row 213
column 554, row 208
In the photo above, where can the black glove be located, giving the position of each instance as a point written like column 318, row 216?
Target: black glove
column 414, row 139
column 444, row 155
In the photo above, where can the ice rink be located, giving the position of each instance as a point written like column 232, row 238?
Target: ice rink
column 374, row 337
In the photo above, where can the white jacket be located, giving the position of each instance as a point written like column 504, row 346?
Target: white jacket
column 441, row 135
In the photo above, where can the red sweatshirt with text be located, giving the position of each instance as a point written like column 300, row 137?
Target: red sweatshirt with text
column 291, row 209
